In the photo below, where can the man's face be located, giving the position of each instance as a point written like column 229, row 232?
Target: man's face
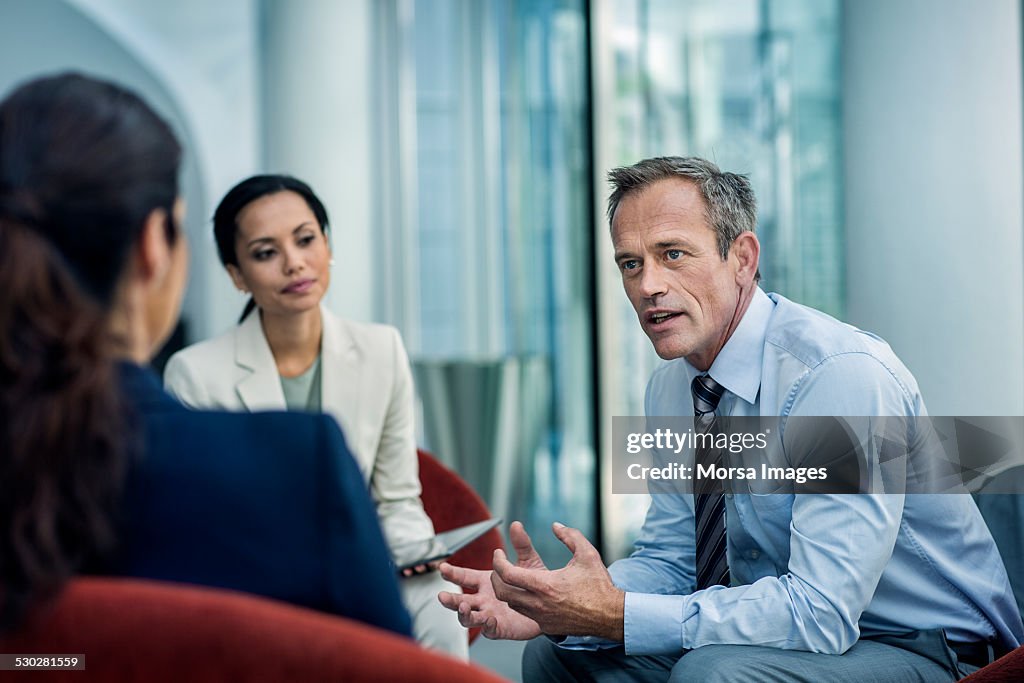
column 686, row 296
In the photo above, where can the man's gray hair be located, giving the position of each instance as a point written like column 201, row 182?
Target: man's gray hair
column 729, row 203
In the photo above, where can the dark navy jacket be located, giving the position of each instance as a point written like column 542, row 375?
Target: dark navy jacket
column 267, row 503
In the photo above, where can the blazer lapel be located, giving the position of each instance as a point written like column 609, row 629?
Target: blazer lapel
column 261, row 389
column 341, row 374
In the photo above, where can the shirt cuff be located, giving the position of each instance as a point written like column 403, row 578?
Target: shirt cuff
column 653, row 624
column 583, row 642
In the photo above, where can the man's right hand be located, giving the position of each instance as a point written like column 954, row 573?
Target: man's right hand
column 483, row 609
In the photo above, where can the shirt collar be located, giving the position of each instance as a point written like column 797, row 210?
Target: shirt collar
column 738, row 365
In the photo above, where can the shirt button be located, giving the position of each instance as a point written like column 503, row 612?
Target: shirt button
column 728, row 495
column 754, row 554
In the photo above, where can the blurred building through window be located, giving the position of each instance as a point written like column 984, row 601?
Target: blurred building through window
column 486, row 243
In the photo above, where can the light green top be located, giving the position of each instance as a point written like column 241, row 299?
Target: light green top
column 303, row 391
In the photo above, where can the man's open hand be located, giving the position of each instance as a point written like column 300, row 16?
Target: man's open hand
column 579, row 599
column 482, row 609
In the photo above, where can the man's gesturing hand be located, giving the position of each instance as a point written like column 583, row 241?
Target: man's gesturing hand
column 482, row 609
column 579, row 599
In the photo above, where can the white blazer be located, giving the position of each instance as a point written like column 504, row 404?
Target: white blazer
column 366, row 384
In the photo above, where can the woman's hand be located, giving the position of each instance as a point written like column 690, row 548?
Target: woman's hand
column 421, row 568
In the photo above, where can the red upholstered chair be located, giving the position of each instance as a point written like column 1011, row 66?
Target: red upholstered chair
column 1008, row 668
column 450, row 502
column 135, row 630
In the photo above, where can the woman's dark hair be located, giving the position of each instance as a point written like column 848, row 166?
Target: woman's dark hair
column 225, row 218
column 83, row 163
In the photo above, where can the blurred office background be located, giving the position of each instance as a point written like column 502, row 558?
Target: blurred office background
column 461, row 146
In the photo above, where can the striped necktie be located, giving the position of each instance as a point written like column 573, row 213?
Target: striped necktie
column 708, row 498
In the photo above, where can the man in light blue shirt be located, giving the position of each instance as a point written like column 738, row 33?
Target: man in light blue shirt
column 823, row 587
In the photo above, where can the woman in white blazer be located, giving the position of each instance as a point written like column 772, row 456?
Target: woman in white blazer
column 290, row 352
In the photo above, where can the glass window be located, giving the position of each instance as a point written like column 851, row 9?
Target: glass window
column 486, row 220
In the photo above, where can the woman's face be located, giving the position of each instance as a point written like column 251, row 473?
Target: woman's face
column 283, row 255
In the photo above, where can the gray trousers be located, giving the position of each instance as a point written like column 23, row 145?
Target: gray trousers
column 920, row 657
column 435, row 626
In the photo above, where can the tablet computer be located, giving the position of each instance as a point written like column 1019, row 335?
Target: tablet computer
column 444, row 544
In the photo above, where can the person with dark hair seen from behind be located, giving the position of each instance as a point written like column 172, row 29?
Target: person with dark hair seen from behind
column 775, row 586
column 100, row 470
column 290, row 351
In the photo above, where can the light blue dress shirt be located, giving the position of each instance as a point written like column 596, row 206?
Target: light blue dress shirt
column 811, row 572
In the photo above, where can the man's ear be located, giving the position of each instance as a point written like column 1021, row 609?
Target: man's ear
column 237, row 278
column 153, row 251
column 746, row 249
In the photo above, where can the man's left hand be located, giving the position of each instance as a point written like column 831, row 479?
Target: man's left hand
column 578, row 599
